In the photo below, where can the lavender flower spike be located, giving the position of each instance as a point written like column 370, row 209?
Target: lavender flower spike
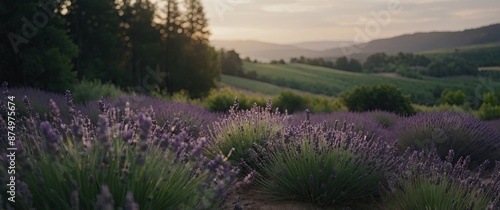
column 53, row 139
column 145, row 124
column 105, row 199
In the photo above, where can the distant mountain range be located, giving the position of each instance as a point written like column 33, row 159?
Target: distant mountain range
column 416, row 42
column 320, row 45
column 264, row 51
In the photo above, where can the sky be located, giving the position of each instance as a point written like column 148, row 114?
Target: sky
column 292, row 21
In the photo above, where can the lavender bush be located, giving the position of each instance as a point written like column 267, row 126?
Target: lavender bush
column 362, row 122
column 495, row 124
column 386, row 119
column 445, row 131
column 242, row 130
column 424, row 181
column 195, row 117
column 39, row 102
column 125, row 160
column 324, row 165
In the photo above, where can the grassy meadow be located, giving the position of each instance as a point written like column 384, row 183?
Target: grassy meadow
column 252, row 85
column 468, row 48
column 332, row 82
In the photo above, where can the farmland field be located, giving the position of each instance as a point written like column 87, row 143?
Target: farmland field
column 252, row 85
column 490, row 68
column 477, row 47
column 332, row 82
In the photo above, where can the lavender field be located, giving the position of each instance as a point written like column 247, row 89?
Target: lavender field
column 138, row 152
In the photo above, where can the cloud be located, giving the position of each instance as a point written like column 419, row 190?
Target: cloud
column 476, row 13
column 297, row 7
column 283, row 21
column 428, row 1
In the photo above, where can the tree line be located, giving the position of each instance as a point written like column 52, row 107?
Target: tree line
column 411, row 65
column 139, row 45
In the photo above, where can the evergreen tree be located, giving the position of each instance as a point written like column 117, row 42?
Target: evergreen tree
column 355, row 65
column 375, row 62
column 231, row 63
column 196, row 24
column 35, row 49
column 143, row 40
column 342, row 63
column 94, row 27
column 202, row 65
column 175, row 43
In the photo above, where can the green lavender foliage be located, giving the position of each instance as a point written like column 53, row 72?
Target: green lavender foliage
column 323, row 165
column 424, row 181
column 241, row 130
column 125, row 159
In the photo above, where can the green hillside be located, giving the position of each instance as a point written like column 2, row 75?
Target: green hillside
column 252, row 85
column 478, row 47
column 332, row 82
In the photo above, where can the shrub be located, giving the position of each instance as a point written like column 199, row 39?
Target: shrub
column 386, row 119
column 290, row 101
column 39, row 102
column 446, row 131
column 378, row 97
column 422, row 181
column 323, row 104
column 242, row 130
column 325, row 166
column 118, row 162
column 491, row 98
column 490, row 109
column 453, row 97
column 222, row 100
column 93, row 90
column 443, row 108
column 488, row 112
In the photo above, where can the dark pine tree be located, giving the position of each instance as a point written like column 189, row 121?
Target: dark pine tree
column 35, row 48
column 94, row 26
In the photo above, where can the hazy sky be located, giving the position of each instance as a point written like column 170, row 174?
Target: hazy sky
column 288, row 21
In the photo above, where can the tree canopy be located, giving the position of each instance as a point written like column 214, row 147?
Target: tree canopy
column 140, row 45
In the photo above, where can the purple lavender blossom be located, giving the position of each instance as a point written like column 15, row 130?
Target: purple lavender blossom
column 104, row 133
column 495, row 124
column 128, row 135
column 215, row 163
column 27, row 104
column 5, row 86
column 145, row 126
column 361, row 122
column 130, row 204
column 463, row 133
column 52, row 138
column 105, row 199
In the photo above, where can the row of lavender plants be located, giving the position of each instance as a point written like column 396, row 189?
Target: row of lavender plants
column 124, row 159
column 370, row 162
column 143, row 153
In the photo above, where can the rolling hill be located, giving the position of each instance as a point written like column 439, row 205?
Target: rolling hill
column 320, row 45
column 263, row 51
column 332, row 82
column 417, row 42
